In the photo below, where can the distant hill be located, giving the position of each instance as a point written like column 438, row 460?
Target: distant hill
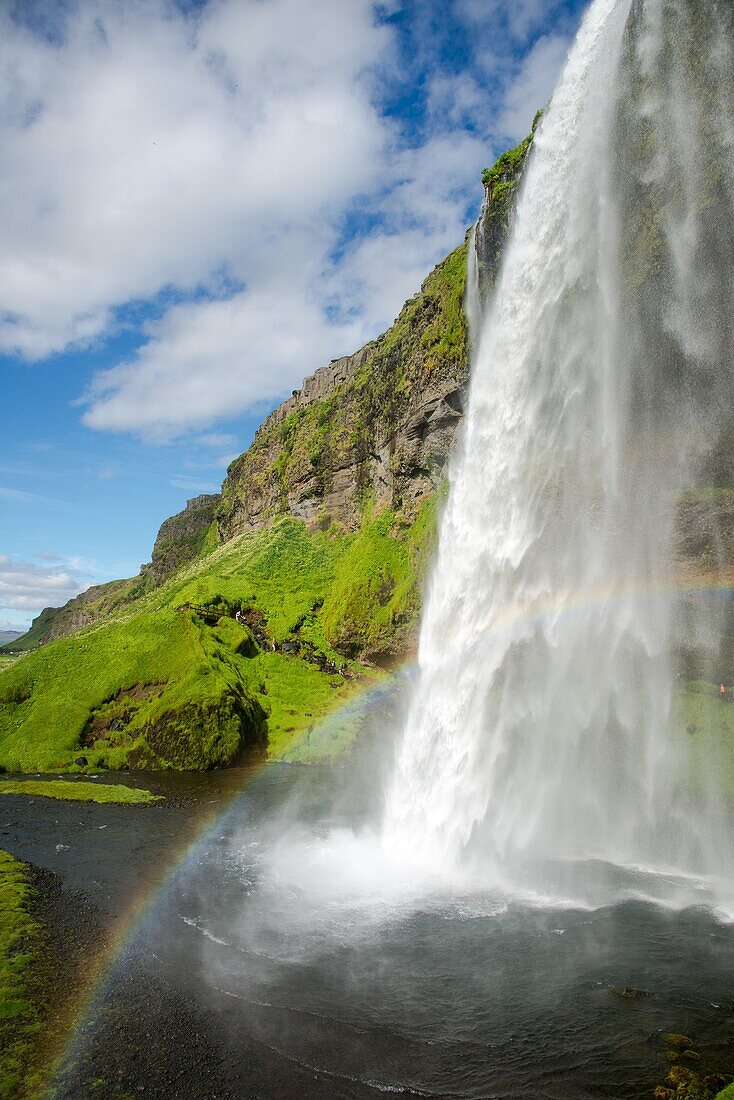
column 8, row 636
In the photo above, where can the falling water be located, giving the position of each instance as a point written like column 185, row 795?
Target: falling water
column 543, row 725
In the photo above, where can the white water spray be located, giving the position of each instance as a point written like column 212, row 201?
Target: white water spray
column 541, row 725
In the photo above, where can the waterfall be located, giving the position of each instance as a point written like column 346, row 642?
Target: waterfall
column 543, row 721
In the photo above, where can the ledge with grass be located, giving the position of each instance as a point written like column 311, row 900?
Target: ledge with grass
column 80, row 791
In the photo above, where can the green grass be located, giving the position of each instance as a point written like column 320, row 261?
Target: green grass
column 161, row 685
column 375, row 597
column 18, row 947
column 300, row 699
column 79, row 792
column 283, row 571
column 706, row 725
column 726, row 1094
column 195, row 714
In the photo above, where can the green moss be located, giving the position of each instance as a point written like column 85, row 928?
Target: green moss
column 79, row 792
column 501, row 182
column 175, row 681
column 375, row 598
column 506, row 167
column 704, row 725
column 726, row 1094
column 52, row 701
column 19, row 937
column 299, row 698
column 210, row 540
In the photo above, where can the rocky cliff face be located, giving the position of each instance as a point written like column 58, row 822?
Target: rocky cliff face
column 376, row 425
column 501, row 184
column 183, row 537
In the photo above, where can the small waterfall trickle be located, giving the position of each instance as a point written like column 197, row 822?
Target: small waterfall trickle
column 543, row 723
column 472, row 292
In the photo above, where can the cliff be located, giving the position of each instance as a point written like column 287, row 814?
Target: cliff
column 184, row 537
column 377, row 425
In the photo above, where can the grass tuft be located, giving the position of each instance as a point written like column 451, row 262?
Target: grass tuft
column 18, row 948
column 80, row 792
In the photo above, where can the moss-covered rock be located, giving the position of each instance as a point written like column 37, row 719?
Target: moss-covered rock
column 184, row 537
column 376, row 427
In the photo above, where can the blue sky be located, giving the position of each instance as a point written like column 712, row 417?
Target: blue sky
column 202, row 203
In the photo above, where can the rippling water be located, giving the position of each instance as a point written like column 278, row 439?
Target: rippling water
column 359, row 979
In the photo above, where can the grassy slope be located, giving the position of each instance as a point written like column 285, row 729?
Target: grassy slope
column 706, row 724
column 18, row 945
column 179, row 691
column 46, row 697
column 80, row 792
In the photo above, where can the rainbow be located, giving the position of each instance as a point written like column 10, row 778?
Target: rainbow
column 537, row 612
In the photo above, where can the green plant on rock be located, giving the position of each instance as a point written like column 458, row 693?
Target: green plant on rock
column 505, row 167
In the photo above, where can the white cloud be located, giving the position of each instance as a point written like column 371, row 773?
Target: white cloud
column 150, row 150
column 534, row 83
column 211, row 160
column 194, row 485
column 29, row 587
column 423, row 219
column 210, row 359
column 19, row 496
